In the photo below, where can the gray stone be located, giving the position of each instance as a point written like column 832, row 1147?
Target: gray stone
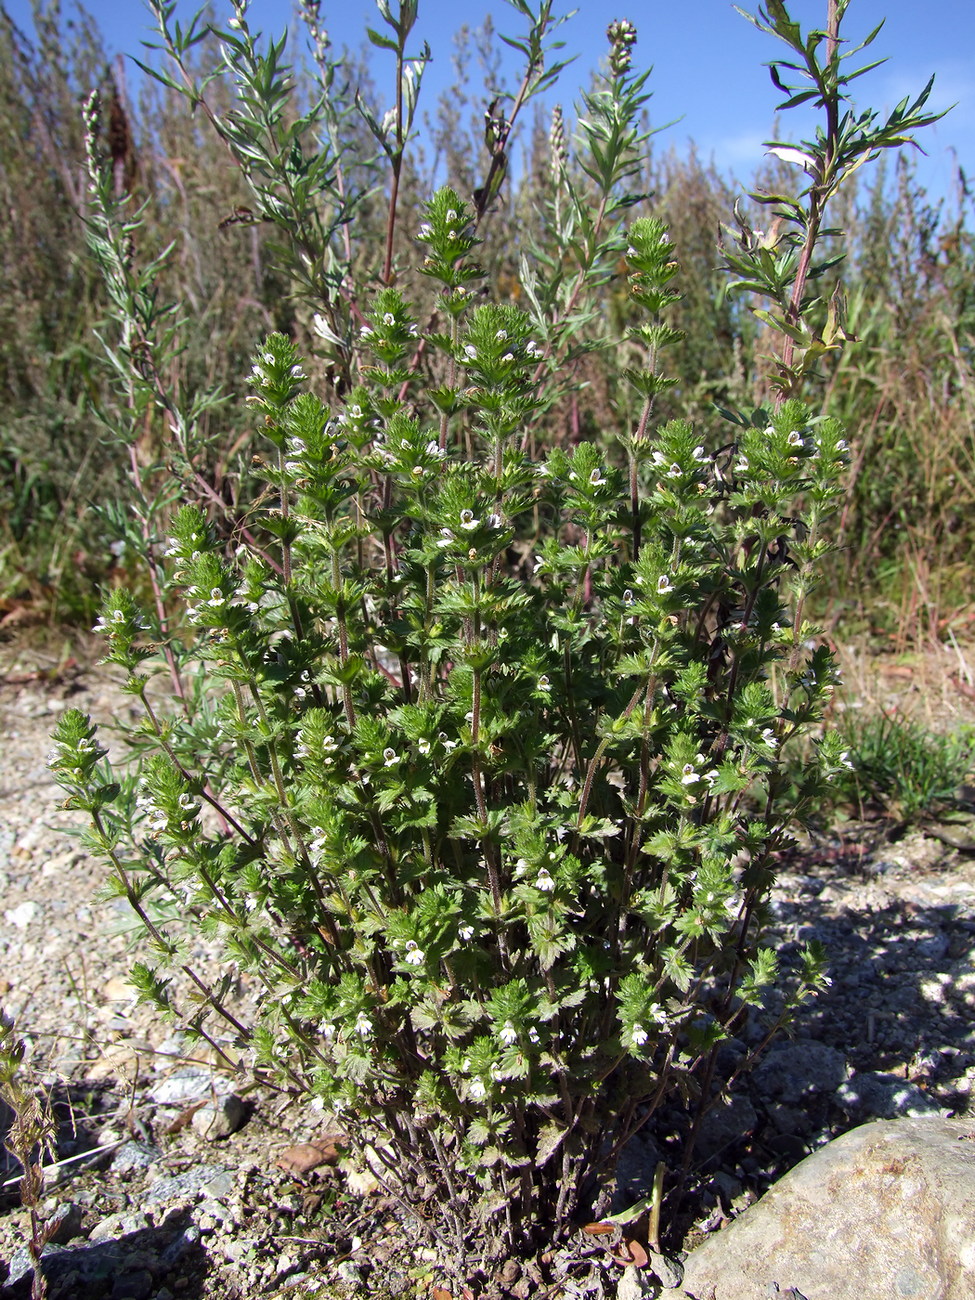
column 883, row 1096
column 187, row 1240
column 637, row 1284
column 88, row 1272
column 64, row 1223
column 220, row 1185
column 238, row 1250
column 220, row 1118
column 119, row 1225
column 669, row 1272
column 789, row 1119
column 796, row 1070
column 23, row 915
column 20, row 1262
column 885, row 1212
column 213, row 1211
column 350, row 1273
column 725, row 1123
column 134, row 1155
column 188, row 1085
column 133, row 1286
column 187, row 1188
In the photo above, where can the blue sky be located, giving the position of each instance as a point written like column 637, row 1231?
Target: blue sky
column 707, row 61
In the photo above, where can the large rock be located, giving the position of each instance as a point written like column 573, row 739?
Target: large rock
column 885, row 1212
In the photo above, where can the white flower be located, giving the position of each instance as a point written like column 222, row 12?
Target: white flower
column 363, row 1025
column 845, row 760
column 795, row 440
column 664, row 585
column 508, row 1034
column 533, row 1035
column 657, row 1014
column 217, row 598
column 470, row 350
column 447, row 744
column 446, row 537
column 466, row 932
column 390, row 757
column 638, row 1035
column 414, row 955
column 699, row 454
column 544, row 881
column 426, row 230
column 326, row 1029
column 596, row 478
column 450, row 216
column 389, row 318
column 675, row 471
column 543, row 683
column 423, row 746
column 689, row 775
column 477, row 1090
column 467, row 520
column 770, row 738
column 507, row 358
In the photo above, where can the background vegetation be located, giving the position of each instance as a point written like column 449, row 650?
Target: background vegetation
column 905, row 391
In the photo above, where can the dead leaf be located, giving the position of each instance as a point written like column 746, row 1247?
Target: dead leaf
column 184, row 1117
column 598, row 1229
column 439, row 1293
column 631, row 1253
column 306, row 1156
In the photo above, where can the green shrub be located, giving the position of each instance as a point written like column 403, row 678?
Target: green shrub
column 485, row 784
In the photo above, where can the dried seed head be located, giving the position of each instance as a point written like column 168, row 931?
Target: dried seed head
column 556, row 140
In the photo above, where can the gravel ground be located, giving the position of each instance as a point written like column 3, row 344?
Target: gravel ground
column 169, row 1204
